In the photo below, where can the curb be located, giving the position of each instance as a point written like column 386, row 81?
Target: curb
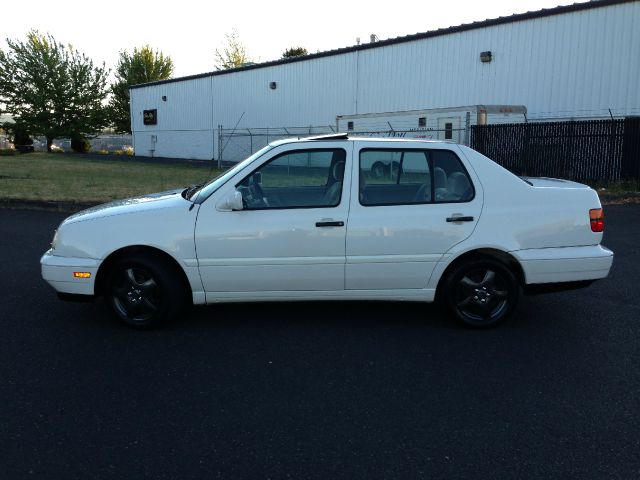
column 155, row 160
column 47, row 205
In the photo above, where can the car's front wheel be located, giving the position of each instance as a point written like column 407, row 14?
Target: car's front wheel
column 481, row 293
column 144, row 291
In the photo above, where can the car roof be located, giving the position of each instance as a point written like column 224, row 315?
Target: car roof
column 346, row 137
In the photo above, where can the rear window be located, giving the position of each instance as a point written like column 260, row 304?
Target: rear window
column 411, row 176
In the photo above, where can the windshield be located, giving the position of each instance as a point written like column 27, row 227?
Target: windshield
column 215, row 183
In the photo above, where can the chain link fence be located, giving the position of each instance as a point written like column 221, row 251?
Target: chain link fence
column 590, row 151
column 235, row 145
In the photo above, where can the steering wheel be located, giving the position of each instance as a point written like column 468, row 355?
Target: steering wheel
column 258, row 195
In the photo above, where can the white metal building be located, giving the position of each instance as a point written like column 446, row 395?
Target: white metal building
column 577, row 61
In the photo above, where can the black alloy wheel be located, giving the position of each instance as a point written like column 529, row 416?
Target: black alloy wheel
column 481, row 293
column 144, row 291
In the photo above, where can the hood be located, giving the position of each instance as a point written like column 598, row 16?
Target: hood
column 148, row 202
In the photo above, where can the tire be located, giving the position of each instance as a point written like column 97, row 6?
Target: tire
column 481, row 293
column 144, row 291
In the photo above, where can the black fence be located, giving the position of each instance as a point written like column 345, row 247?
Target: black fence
column 593, row 151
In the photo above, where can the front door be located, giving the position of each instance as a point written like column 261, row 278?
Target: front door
column 290, row 236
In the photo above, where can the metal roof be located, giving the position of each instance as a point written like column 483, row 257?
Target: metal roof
column 519, row 17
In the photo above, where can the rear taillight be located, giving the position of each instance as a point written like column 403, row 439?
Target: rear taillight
column 596, row 217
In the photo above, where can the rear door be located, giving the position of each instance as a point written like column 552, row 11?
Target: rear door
column 401, row 223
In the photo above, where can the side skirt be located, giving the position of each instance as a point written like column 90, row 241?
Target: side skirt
column 410, row 295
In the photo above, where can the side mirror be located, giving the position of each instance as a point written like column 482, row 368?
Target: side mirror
column 230, row 202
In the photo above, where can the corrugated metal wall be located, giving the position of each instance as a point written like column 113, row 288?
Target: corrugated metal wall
column 578, row 64
column 185, row 127
column 306, row 93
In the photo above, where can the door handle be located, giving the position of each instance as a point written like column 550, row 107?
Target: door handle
column 330, row 224
column 459, row 219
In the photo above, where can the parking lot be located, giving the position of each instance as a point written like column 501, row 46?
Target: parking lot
column 319, row 390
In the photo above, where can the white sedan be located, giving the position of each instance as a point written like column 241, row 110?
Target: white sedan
column 313, row 219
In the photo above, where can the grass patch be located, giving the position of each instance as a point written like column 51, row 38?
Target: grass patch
column 620, row 192
column 65, row 177
column 69, row 178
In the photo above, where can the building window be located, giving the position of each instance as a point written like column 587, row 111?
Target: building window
column 349, row 126
column 422, row 121
column 448, row 131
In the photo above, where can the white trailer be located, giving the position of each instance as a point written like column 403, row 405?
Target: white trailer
column 435, row 123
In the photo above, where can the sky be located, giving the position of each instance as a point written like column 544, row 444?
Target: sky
column 190, row 31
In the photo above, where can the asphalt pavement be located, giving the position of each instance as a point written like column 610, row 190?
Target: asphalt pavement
column 319, row 390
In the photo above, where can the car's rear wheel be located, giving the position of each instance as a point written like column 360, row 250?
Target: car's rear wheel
column 144, row 291
column 481, row 293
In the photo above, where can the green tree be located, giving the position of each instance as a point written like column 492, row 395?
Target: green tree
column 142, row 66
column 295, row 52
column 233, row 55
column 52, row 89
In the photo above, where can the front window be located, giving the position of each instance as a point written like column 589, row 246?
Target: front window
column 215, row 183
column 296, row 179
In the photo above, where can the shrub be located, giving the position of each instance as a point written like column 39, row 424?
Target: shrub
column 18, row 133
column 7, row 152
column 103, row 152
column 80, row 144
column 56, row 149
column 21, row 137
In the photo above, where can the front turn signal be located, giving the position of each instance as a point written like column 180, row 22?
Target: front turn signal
column 82, row 274
column 596, row 217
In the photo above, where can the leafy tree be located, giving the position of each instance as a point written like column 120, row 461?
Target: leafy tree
column 295, row 52
column 233, row 55
column 52, row 89
column 141, row 66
